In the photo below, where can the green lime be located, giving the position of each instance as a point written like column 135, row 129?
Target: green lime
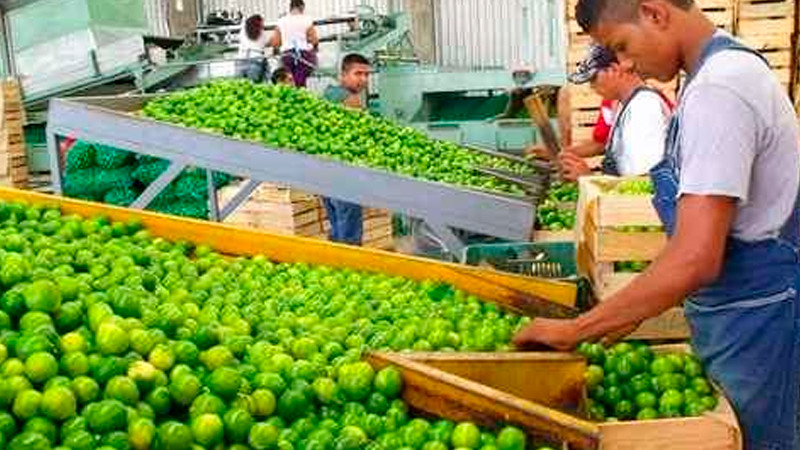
column 388, row 381
column 208, row 430
column 466, row 435
column 237, row 425
column 58, row 403
column 26, row 404
column 40, row 367
column 263, row 436
column 511, row 438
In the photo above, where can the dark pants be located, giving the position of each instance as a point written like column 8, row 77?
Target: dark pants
column 300, row 64
column 256, row 69
column 346, row 221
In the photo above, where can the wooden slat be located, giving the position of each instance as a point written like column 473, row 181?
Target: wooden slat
column 489, row 390
column 761, row 10
column 607, row 245
column 517, row 293
column 444, row 394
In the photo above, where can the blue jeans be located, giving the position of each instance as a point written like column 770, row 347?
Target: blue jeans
column 346, row 221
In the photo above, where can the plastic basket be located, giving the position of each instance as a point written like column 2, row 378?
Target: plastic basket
column 514, row 257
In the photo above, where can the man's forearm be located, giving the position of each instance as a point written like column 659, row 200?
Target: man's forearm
column 588, row 149
column 663, row 285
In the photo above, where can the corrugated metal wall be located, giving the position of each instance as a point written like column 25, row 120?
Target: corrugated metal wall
column 156, row 13
column 469, row 33
column 500, row 33
column 272, row 9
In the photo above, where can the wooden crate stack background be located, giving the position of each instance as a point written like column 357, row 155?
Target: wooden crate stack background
column 284, row 210
column 13, row 156
column 601, row 242
column 767, row 26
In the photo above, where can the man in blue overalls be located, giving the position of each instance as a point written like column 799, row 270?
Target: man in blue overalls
column 727, row 192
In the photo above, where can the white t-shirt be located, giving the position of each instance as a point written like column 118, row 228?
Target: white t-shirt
column 294, row 31
column 639, row 144
column 739, row 138
column 252, row 49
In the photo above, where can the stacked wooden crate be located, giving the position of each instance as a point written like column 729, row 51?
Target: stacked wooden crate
column 616, row 228
column 584, row 102
column 769, row 27
column 13, row 156
column 278, row 209
column 285, row 210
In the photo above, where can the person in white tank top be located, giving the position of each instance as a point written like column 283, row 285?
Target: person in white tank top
column 253, row 40
column 297, row 38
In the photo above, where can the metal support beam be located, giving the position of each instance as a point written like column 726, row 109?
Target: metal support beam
column 241, row 196
column 106, row 120
column 157, row 186
column 213, row 205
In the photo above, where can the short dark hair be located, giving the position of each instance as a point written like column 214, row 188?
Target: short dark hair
column 280, row 74
column 254, row 26
column 297, row 4
column 353, row 59
column 590, row 12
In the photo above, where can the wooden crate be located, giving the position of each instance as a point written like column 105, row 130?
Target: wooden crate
column 278, row 209
column 285, row 210
column 769, row 27
column 600, row 245
column 544, row 394
column 13, row 154
column 601, row 215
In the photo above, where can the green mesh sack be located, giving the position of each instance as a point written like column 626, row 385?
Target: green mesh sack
column 112, row 158
column 190, row 187
column 80, row 156
column 122, row 196
column 194, row 209
column 82, row 184
column 147, row 172
column 121, row 178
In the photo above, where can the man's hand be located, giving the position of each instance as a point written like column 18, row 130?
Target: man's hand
column 572, row 166
column 537, row 151
column 559, row 334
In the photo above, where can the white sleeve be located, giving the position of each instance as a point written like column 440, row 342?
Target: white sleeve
column 644, row 133
column 719, row 139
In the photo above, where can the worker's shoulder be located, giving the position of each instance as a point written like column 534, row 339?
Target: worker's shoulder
column 732, row 68
column 335, row 93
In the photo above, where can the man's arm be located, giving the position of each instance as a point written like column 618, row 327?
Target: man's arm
column 692, row 258
column 588, row 149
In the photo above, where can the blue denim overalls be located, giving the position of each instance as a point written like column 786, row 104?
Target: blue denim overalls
column 745, row 325
column 610, row 163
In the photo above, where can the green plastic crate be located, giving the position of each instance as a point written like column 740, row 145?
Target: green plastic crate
column 508, row 257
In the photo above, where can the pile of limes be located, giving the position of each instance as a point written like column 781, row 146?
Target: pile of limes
column 628, row 381
column 289, row 118
column 113, row 339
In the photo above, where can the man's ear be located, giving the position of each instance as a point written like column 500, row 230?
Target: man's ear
column 656, row 13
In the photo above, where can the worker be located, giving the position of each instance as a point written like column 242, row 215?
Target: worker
column 298, row 41
column 282, row 76
column 635, row 141
column 727, row 191
column 345, row 217
column 253, row 41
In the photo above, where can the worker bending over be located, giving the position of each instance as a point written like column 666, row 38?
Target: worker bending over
column 728, row 191
column 298, row 41
column 638, row 114
column 346, row 218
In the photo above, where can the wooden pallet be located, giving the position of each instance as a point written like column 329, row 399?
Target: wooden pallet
column 288, row 211
column 544, row 394
column 13, row 154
